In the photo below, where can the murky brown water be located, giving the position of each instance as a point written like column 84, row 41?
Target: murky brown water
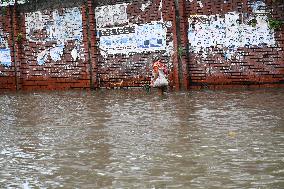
column 128, row 139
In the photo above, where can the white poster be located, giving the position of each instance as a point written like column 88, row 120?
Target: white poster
column 133, row 39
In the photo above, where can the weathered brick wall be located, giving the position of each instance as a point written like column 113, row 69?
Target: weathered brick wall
column 227, row 48
column 125, row 49
column 61, row 44
column 53, row 50
column 50, row 45
column 111, row 43
column 7, row 72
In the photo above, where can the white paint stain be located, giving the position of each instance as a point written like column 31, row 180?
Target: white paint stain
column 200, row 3
column 144, row 6
column 161, row 5
column 160, row 9
column 74, row 54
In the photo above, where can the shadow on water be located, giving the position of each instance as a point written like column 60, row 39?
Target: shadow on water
column 131, row 139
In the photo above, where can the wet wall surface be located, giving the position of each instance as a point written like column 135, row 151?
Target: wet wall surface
column 131, row 139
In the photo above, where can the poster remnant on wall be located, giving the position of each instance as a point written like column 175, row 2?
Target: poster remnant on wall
column 5, row 57
column 57, row 26
column 111, row 15
column 229, row 32
column 11, row 2
column 56, row 52
column 42, row 57
column 133, row 39
column 5, row 53
column 129, row 38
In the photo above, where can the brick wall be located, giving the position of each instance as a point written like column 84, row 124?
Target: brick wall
column 129, row 64
column 255, row 54
column 109, row 44
column 62, row 47
column 7, row 68
column 54, row 55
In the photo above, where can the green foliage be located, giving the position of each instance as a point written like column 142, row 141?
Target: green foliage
column 252, row 22
column 180, row 51
column 3, row 11
column 274, row 24
column 147, row 88
column 19, row 37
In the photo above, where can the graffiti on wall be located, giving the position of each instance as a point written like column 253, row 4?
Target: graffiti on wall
column 5, row 53
column 228, row 32
column 111, row 15
column 59, row 27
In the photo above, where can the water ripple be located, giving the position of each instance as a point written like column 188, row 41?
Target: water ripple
column 130, row 139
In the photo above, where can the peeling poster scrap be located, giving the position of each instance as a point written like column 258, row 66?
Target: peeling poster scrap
column 228, row 32
column 5, row 57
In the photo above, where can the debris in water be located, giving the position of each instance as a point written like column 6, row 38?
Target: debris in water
column 232, row 134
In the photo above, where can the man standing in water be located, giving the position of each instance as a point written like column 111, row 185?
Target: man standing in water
column 159, row 73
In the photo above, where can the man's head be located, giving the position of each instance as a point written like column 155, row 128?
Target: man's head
column 155, row 68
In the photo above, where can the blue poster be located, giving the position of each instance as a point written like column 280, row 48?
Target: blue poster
column 151, row 36
column 5, row 57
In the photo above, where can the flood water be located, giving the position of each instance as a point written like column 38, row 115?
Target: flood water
column 130, row 139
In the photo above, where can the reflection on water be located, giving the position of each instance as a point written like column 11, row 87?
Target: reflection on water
column 130, row 139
